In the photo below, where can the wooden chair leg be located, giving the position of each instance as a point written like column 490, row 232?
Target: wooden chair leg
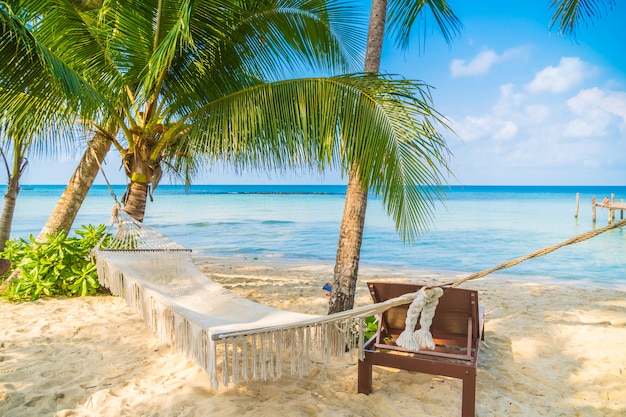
column 468, row 403
column 365, row 377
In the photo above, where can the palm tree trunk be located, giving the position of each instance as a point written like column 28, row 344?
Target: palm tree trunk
column 351, row 235
column 135, row 199
column 10, row 199
column 349, row 249
column 66, row 209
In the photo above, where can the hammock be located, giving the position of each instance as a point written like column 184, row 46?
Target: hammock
column 228, row 335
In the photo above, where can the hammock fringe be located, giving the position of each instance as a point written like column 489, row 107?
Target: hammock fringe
column 232, row 356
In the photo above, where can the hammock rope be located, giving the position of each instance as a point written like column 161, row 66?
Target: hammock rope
column 104, row 175
column 576, row 239
column 426, row 301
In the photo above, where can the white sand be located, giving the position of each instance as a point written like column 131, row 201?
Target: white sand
column 549, row 350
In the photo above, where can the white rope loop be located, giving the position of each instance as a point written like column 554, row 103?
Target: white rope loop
column 424, row 305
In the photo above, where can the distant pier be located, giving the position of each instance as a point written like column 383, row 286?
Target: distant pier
column 608, row 203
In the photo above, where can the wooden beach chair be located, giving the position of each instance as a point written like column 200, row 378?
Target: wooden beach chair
column 457, row 329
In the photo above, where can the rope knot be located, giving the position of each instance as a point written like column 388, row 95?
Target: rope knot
column 423, row 306
column 115, row 212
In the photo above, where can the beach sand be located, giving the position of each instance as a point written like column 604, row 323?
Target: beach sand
column 550, row 349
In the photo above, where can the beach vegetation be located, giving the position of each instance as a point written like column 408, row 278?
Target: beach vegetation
column 60, row 266
column 371, row 327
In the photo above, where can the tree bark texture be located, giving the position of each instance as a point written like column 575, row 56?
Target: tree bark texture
column 135, row 199
column 10, row 199
column 66, row 209
column 351, row 235
column 349, row 249
column 375, row 35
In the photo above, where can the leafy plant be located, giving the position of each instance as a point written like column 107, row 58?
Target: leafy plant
column 371, row 327
column 59, row 266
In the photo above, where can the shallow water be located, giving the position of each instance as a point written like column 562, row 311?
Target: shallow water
column 479, row 227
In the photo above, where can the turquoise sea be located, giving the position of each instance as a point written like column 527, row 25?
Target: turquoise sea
column 477, row 228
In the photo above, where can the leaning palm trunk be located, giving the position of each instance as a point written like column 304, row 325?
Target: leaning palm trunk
column 351, row 235
column 10, row 199
column 66, row 209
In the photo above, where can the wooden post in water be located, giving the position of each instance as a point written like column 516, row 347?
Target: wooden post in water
column 593, row 209
column 577, row 202
column 611, row 211
column 621, row 212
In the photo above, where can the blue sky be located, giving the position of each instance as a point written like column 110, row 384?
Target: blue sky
column 529, row 107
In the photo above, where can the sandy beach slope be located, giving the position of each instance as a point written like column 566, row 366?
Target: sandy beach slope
column 550, row 350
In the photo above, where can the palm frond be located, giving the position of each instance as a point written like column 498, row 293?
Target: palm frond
column 259, row 40
column 28, row 66
column 569, row 14
column 385, row 125
column 37, row 122
column 405, row 15
column 296, row 35
column 75, row 39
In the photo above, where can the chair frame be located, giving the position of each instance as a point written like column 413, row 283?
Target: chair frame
column 457, row 329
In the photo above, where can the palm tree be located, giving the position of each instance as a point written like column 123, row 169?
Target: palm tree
column 568, row 15
column 63, row 215
column 188, row 84
column 66, row 209
column 146, row 65
column 402, row 18
column 70, row 202
column 14, row 170
column 27, row 121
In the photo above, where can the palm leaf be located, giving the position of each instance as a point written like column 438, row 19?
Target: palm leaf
column 32, row 68
column 405, row 15
column 569, row 14
column 258, row 40
column 38, row 122
column 387, row 126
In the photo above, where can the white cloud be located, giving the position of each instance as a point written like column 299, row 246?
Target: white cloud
column 483, row 61
column 478, row 66
column 596, row 110
column 509, row 99
column 570, row 72
column 473, row 128
column 613, row 102
column 545, row 138
column 507, row 131
column 537, row 113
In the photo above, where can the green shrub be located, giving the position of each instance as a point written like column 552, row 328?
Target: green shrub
column 371, row 327
column 60, row 266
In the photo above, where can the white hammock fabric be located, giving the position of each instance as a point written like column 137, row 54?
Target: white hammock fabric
column 231, row 337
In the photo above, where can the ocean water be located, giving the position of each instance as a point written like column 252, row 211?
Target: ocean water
column 477, row 227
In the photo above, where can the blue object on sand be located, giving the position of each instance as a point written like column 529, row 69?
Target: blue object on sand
column 328, row 288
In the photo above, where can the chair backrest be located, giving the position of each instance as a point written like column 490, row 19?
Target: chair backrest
column 457, row 307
